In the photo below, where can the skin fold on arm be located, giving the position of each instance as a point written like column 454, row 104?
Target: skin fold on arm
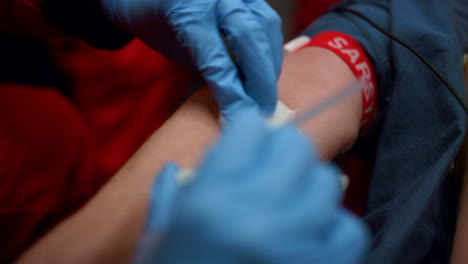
column 107, row 229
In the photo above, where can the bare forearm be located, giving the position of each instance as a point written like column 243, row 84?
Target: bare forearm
column 107, row 228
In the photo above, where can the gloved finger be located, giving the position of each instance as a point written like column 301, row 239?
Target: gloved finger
column 288, row 151
column 312, row 204
column 239, row 142
column 345, row 240
column 347, row 235
column 213, row 61
column 147, row 248
column 323, row 192
column 271, row 23
column 249, row 41
column 163, row 194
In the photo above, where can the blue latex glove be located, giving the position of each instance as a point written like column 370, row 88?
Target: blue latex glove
column 188, row 31
column 260, row 196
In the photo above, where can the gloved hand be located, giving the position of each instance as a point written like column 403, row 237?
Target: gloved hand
column 189, row 33
column 260, row 196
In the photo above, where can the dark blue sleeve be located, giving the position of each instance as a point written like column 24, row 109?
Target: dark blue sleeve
column 387, row 14
column 411, row 208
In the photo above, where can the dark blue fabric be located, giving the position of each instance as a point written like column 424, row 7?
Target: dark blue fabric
column 420, row 127
column 460, row 15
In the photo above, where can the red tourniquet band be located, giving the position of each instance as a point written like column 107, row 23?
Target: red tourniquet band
column 351, row 52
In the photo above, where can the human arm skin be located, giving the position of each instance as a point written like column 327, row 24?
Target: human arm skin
column 107, row 229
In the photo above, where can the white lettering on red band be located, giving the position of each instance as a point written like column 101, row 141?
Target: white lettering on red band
column 338, row 43
column 354, row 55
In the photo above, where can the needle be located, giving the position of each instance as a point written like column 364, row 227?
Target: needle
column 327, row 103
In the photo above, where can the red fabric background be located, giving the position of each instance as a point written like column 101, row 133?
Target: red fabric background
column 309, row 10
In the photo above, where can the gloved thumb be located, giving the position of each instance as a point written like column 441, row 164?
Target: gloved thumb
column 160, row 211
column 163, row 195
